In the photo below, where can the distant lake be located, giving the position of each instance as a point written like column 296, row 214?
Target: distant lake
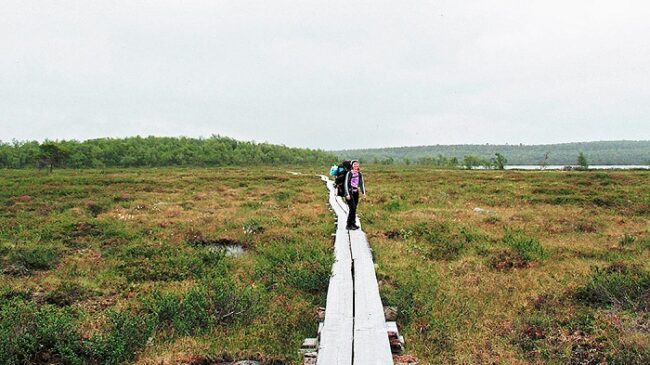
column 591, row 167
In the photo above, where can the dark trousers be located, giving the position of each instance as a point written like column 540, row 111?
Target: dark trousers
column 352, row 203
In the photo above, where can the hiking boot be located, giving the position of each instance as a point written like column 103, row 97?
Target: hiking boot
column 352, row 228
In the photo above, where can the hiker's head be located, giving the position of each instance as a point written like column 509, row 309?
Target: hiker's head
column 355, row 165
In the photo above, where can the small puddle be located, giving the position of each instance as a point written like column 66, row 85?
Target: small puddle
column 231, row 250
column 230, row 246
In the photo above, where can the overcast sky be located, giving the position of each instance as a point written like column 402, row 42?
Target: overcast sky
column 327, row 74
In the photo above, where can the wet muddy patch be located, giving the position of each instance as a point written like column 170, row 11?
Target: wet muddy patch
column 231, row 247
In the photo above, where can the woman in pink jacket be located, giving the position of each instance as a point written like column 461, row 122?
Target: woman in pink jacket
column 353, row 185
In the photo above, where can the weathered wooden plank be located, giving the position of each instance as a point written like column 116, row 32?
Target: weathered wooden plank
column 371, row 345
column 363, row 331
column 336, row 338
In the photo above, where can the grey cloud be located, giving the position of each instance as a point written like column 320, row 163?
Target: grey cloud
column 301, row 72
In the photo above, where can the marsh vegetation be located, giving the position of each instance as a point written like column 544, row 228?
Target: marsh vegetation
column 514, row 267
column 113, row 266
column 119, row 266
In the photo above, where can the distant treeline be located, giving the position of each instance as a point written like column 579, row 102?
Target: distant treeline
column 154, row 152
column 596, row 153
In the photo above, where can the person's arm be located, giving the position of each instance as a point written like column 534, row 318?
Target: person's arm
column 346, row 183
column 363, row 184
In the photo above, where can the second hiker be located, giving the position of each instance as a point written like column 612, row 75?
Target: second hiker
column 352, row 185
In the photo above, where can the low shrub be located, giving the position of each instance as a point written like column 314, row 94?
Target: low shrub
column 394, row 205
column 67, row 293
column 123, row 337
column 114, row 231
column 230, row 303
column 142, row 262
column 171, row 268
column 527, row 247
column 17, row 330
column 32, row 335
column 552, row 330
column 58, row 332
column 403, row 297
column 445, row 249
column 583, row 225
column 47, row 334
column 629, row 355
column 283, row 196
column 35, row 257
column 520, row 252
column 603, row 202
column 8, row 293
column 164, row 307
column 196, row 312
column 582, row 321
column 620, row 284
column 95, row 208
column 209, row 303
column 310, row 276
column 444, row 241
column 565, row 200
column 304, row 265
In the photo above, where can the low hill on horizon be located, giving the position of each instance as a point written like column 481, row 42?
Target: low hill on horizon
column 597, row 153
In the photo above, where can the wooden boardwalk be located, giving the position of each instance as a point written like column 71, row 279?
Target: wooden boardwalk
column 354, row 330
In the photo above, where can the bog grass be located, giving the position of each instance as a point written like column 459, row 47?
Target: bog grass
column 552, row 268
column 130, row 266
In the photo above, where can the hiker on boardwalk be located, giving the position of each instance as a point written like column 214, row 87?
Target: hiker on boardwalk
column 353, row 184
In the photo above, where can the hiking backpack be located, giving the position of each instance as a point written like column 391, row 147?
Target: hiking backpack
column 339, row 173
